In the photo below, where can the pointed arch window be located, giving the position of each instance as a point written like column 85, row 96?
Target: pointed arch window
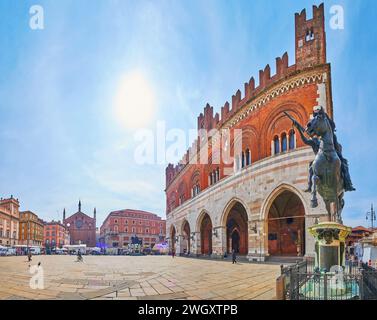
column 248, row 157
column 276, row 145
column 292, row 140
column 284, row 142
column 195, row 190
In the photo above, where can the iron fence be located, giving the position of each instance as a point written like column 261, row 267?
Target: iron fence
column 369, row 275
column 302, row 281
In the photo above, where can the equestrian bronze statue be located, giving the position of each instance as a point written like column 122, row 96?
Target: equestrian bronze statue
column 328, row 172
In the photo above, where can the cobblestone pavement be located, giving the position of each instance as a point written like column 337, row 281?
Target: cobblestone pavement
column 137, row 277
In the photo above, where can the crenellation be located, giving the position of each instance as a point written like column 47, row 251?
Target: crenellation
column 249, row 88
column 236, row 99
column 225, row 112
column 282, row 65
column 264, row 76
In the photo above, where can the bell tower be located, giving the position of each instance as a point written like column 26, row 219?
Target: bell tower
column 310, row 37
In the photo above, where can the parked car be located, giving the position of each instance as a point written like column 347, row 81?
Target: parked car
column 35, row 250
column 11, row 252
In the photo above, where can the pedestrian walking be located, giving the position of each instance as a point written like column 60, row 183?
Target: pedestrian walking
column 29, row 256
column 173, row 253
column 234, row 256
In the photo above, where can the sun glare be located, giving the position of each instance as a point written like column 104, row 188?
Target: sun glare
column 135, row 101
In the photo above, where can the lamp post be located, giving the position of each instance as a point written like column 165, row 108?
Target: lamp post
column 372, row 214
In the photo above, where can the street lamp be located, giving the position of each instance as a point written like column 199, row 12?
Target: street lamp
column 372, row 215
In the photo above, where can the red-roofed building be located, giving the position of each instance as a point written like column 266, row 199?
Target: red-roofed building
column 121, row 226
column 357, row 234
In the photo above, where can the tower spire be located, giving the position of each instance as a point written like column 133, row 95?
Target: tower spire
column 79, row 205
column 63, row 215
column 94, row 213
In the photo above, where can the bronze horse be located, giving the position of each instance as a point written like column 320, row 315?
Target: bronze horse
column 327, row 177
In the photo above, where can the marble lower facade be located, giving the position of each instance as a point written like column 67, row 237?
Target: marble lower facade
column 260, row 211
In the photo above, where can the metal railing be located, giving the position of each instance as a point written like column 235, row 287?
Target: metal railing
column 302, row 281
column 369, row 275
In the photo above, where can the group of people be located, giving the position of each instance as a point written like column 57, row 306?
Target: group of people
column 234, row 255
column 79, row 257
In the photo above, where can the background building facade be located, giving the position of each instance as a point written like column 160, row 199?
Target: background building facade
column 120, row 226
column 55, row 234
column 255, row 203
column 31, row 229
column 82, row 228
column 9, row 221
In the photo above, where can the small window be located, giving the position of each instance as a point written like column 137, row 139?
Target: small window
column 309, row 35
column 276, row 145
column 292, row 139
column 283, row 142
column 248, row 157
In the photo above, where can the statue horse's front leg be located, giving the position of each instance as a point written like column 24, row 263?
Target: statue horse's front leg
column 314, row 200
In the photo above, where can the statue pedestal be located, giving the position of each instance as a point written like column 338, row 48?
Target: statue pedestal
column 330, row 240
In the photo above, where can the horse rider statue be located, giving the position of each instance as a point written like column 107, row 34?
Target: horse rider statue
column 328, row 172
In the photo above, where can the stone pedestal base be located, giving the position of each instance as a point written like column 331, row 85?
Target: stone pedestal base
column 329, row 244
column 256, row 257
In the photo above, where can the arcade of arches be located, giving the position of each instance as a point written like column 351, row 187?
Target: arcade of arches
column 285, row 235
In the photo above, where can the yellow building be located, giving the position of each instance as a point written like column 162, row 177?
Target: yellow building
column 9, row 221
column 31, row 229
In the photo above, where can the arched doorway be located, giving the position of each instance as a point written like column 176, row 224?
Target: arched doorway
column 186, row 243
column 206, row 235
column 286, row 226
column 172, row 238
column 236, row 229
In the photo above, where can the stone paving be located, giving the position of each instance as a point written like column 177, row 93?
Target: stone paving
column 137, row 277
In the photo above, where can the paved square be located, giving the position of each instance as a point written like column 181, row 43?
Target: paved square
column 137, row 277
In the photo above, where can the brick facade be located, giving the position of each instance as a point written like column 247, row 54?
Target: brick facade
column 81, row 227
column 55, row 234
column 255, row 204
column 120, row 226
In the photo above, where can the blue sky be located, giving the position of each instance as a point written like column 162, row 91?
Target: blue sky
column 61, row 139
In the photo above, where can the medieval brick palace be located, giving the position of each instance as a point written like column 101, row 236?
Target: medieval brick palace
column 260, row 209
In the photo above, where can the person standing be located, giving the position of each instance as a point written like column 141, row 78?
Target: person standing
column 234, row 256
column 173, row 253
column 29, row 256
